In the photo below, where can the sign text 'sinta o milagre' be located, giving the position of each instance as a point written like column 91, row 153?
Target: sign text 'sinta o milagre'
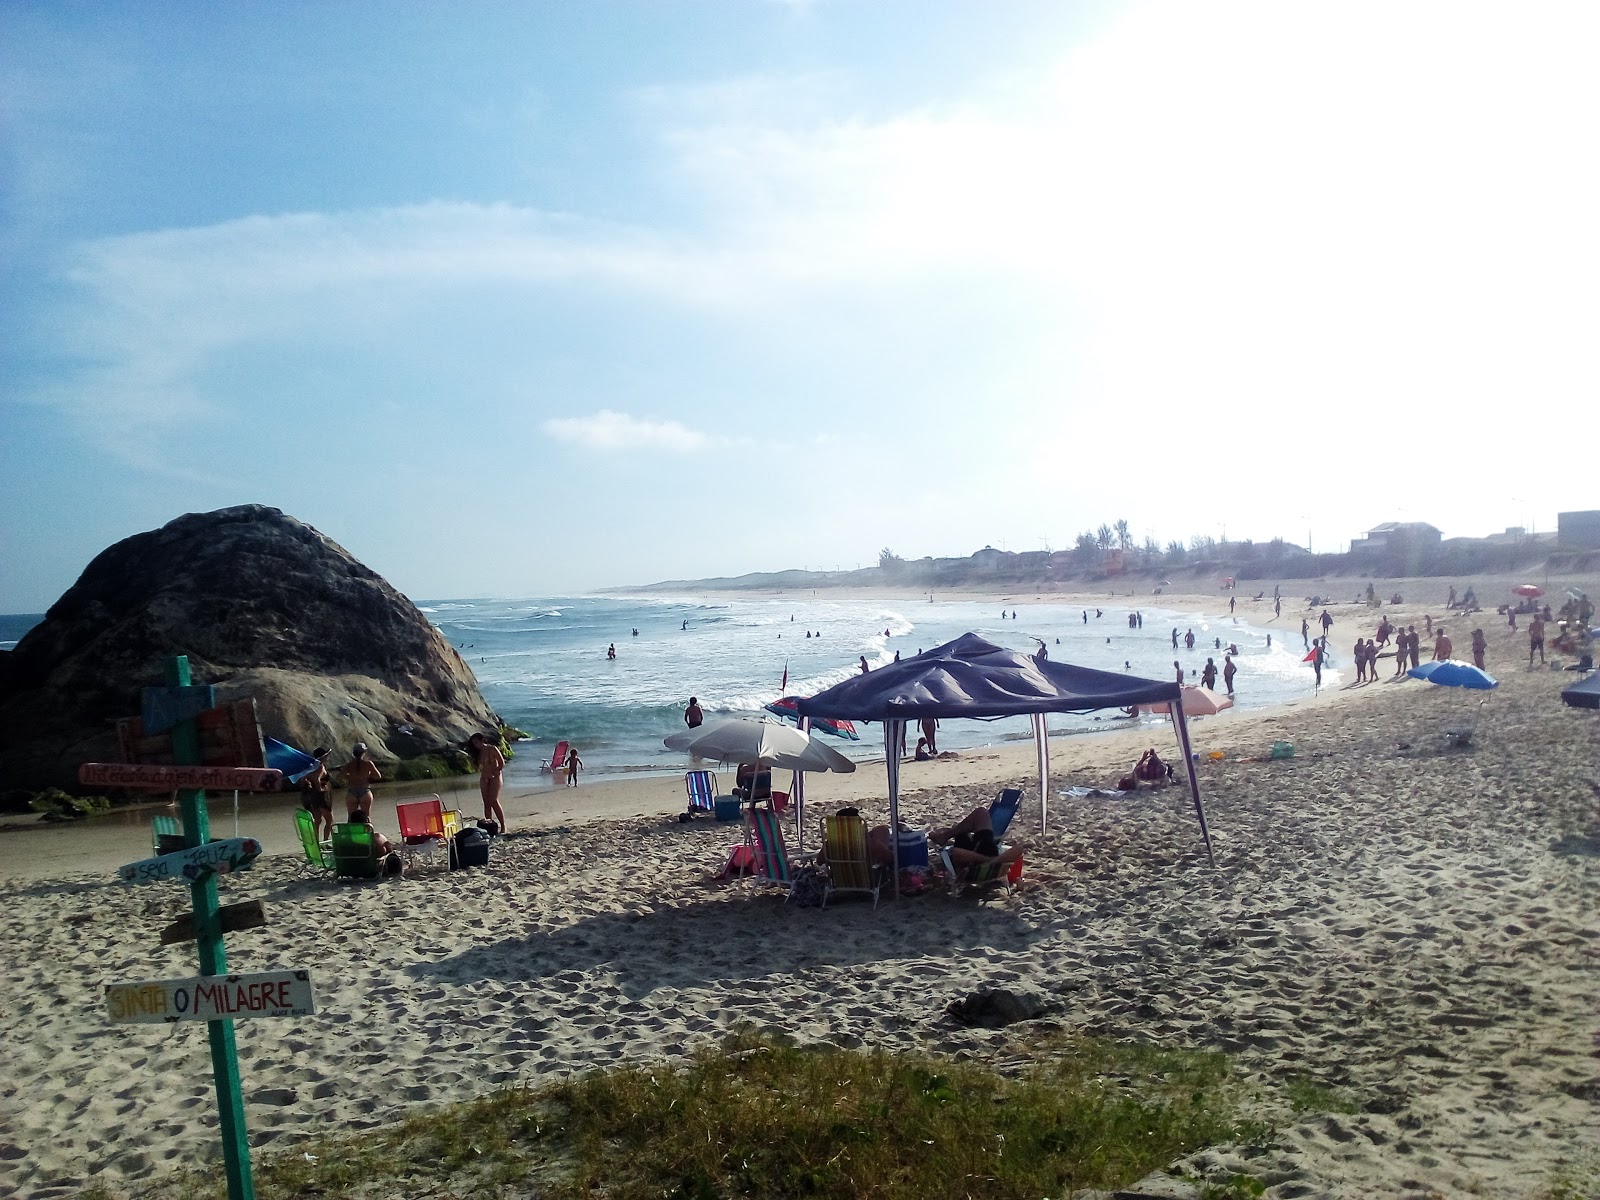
column 211, row 998
column 161, row 778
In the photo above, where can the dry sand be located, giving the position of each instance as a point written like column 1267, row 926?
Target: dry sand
column 1410, row 923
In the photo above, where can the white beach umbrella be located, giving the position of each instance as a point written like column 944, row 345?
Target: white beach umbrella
column 742, row 740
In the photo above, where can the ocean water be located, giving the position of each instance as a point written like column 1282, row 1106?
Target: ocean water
column 542, row 662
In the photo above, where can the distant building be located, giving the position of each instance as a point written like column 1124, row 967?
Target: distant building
column 1397, row 537
column 1579, row 530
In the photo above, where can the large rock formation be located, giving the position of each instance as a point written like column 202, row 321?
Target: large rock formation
column 264, row 606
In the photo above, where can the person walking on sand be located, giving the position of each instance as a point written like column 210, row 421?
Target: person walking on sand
column 1536, row 638
column 1326, row 622
column 1441, row 646
column 1416, row 645
column 1208, row 674
column 1228, row 672
column 930, row 727
column 360, row 773
column 491, row 766
column 1316, row 661
column 573, row 763
column 1360, row 653
column 692, row 716
column 1480, row 647
column 1230, row 604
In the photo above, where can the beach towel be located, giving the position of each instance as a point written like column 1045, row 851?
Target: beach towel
column 1080, row 793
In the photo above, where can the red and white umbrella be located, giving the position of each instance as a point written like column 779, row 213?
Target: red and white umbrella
column 1528, row 589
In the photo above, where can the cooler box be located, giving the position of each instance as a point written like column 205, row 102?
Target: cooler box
column 726, row 808
column 913, row 848
column 472, row 849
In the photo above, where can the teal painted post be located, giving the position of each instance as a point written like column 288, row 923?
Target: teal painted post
column 213, row 956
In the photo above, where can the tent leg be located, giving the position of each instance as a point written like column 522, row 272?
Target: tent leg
column 799, row 795
column 1182, row 725
column 1041, row 745
column 891, row 760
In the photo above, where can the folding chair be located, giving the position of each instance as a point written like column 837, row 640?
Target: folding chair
column 996, row 872
column 773, row 864
column 844, row 840
column 355, row 853
column 163, row 830
column 318, row 854
column 425, row 830
column 702, row 789
column 1003, row 809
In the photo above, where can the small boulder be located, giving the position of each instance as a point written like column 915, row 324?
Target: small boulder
column 994, row 1008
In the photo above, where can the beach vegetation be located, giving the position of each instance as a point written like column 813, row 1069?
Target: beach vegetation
column 1235, row 1187
column 760, row 1115
column 53, row 804
column 434, row 766
column 1306, row 1095
column 1176, row 552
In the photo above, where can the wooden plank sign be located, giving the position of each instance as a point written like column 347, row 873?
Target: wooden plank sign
column 214, row 858
column 247, row 914
column 211, row 998
column 230, row 736
column 152, row 778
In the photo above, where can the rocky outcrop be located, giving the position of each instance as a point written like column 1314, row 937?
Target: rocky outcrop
column 265, row 607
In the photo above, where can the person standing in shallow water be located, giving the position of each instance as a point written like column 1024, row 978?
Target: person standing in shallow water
column 491, row 766
column 1208, row 674
column 573, row 763
column 864, row 667
column 692, row 716
column 1228, row 672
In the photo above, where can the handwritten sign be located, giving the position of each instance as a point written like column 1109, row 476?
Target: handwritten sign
column 154, row 778
column 211, row 998
column 214, row 858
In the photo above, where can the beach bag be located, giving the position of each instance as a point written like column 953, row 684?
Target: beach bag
column 472, row 848
column 807, row 888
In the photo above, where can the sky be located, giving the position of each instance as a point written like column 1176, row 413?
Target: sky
column 528, row 299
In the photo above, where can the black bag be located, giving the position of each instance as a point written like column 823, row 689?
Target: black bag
column 472, row 848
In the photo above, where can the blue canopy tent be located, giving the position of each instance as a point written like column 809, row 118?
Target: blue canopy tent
column 974, row 678
column 1585, row 694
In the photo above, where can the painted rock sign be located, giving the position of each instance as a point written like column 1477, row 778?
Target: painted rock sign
column 162, row 778
column 214, row 858
column 211, row 998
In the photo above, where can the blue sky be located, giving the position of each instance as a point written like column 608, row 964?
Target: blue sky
column 532, row 298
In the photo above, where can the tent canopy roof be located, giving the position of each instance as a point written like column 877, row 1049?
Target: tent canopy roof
column 972, row 677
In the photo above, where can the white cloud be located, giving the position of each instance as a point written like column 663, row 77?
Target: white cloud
column 608, row 430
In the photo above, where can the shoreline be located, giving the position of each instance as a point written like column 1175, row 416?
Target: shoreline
column 1408, row 925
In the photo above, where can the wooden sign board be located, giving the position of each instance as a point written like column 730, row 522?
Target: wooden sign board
column 211, row 998
column 149, row 777
column 247, row 914
column 214, row 858
column 229, row 737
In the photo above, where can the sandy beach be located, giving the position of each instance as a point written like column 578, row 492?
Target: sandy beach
column 1411, row 924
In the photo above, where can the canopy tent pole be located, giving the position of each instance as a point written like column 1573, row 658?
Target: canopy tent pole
column 892, row 733
column 798, row 795
column 1182, row 725
column 1041, row 745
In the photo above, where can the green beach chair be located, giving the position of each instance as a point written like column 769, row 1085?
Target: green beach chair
column 773, row 864
column 355, row 854
column 844, row 840
column 163, row 830
column 995, row 873
column 318, row 854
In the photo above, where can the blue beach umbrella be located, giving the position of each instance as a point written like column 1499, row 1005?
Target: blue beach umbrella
column 1455, row 673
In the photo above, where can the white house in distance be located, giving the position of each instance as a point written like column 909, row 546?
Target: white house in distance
column 1397, row 537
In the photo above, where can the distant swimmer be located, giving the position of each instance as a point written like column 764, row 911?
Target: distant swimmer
column 635, row 633
column 692, row 716
column 611, row 650
column 808, row 634
column 686, row 622
column 886, row 633
column 897, row 656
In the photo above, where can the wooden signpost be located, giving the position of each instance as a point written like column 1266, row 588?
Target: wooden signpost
column 208, row 998
column 228, row 757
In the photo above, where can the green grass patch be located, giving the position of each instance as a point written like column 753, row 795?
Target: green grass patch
column 1305, row 1095
column 758, row 1116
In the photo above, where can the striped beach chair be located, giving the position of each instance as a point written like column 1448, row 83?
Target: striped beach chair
column 702, row 789
column 773, row 864
column 844, row 840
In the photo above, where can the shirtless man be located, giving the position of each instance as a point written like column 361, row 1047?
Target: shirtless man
column 1480, row 647
column 692, row 716
column 491, row 777
column 1228, row 672
column 360, row 773
column 1442, row 646
column 1535, row 638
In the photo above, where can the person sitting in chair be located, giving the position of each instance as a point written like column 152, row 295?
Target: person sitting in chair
column 971, row 843
column 382, row 847
column 753, row 782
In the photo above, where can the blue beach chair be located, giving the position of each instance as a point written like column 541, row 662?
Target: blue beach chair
column 702, row 789
column 1003, row 809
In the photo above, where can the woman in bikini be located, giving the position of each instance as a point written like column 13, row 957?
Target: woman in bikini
column 491, row 766
column 360, row 773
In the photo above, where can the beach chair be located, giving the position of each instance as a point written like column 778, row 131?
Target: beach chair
column 426, row 830
column 166, row 834
column 558, row 761
column 702, row 789
column 1003, row 809
column 844, row 840
column 318, row 854
column 998, row 872
column 355, row 853
column 773, row 864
